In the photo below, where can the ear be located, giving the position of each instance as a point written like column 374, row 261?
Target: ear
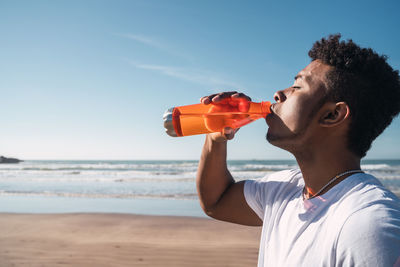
column 334, row 114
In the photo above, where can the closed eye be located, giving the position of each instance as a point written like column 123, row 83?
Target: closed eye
column 296, row 87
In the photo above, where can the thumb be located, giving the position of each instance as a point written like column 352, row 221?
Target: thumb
column 229, row 132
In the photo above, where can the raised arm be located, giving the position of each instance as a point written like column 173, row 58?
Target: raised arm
column 220, row 196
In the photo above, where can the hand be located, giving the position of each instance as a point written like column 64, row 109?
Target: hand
column 217, row 98
column 222, row 99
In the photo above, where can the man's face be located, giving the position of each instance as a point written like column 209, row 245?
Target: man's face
column 293, row 118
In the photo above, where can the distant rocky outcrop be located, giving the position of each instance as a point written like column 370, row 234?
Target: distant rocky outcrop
column 9, row 160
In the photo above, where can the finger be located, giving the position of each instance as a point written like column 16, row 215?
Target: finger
column 217, row 98
column 229, row 133
column 241, row 95
column 207, row 99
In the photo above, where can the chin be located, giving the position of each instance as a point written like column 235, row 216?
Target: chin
column 274, row 135
column 272, row 139
column 283, row 142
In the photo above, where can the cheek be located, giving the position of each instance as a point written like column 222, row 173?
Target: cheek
column 296, row 114
column 292, row 115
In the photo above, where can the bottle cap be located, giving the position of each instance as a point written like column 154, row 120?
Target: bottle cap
column 168, row 124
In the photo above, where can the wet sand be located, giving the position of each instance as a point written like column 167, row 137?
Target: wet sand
column 124, row 240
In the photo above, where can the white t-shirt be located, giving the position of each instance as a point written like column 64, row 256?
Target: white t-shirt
column 355, row 223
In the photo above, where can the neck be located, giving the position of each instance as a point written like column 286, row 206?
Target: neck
column 319, row 169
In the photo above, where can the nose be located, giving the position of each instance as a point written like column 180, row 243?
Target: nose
column 279, row 96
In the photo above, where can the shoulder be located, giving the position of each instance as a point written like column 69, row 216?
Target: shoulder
column 370, row 232
column 370, row 237
column 369, row 200
column 366, row 193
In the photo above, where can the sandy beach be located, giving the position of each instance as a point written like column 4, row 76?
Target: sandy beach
column 84, row 239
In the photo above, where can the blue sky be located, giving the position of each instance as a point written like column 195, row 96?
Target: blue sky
column 91, row 79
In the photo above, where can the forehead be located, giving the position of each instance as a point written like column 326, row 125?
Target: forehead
column 315, row 72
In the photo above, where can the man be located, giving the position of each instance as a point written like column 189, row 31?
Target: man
column 327, row 212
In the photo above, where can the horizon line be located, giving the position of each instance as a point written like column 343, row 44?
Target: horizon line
column 177, row 159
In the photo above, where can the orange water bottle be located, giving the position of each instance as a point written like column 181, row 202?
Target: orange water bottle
column 214, row 117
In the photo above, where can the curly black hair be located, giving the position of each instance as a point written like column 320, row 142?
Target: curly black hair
column 366, row 82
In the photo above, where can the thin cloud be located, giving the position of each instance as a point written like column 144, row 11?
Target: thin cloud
column 154, row 43
column 198, row 77
column 144, row 40
column 195, row 76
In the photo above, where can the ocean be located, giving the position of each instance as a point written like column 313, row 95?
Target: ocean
column 140, row 187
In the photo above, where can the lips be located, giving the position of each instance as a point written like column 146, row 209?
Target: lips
column 272, row 108
column 272, row 114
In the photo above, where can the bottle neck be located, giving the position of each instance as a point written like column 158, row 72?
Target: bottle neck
column 265, row 108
